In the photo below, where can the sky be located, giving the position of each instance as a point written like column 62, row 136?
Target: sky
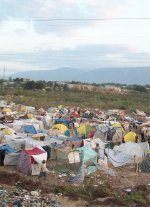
column 83, row 34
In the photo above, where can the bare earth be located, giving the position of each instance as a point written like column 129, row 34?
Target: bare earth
column 126, row 178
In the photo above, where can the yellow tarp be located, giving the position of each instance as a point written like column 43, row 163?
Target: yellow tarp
column 130, row 137
column 60, row 106
column 8, row 131
column 117, row 125
column 29, row 116
column 85, row 129
column 6, row 110
column 60, row 127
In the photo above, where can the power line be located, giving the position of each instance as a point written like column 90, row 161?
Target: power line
column 78, row 19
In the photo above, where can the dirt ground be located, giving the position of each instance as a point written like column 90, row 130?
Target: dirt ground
column 126, row 177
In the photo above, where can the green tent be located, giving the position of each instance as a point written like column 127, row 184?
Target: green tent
column 89, row 157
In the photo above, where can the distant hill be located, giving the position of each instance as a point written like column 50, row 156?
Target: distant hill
column 137, row 75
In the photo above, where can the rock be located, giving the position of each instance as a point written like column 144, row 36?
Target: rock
column 104, row 199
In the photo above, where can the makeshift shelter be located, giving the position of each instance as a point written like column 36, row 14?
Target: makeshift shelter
column 11, row 158
column 75, row 114
column 118, row 135
column 5, row 149
column 125, row 153
column 29, row 129
column 89, row 157
column 6, row 110
column 60, row 127
column 67, row 159
column 145, row 164
column 130, row 137
column 105, row 132
column 29, row 115
column 30, row 161
column 85, row 129
column 63, row 121
column 8, row 131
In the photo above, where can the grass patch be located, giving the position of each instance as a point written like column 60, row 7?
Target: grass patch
column 38, row 98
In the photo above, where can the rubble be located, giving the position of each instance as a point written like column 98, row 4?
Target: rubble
column 24, row 198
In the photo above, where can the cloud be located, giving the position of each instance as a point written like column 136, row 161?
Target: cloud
column 85, row 57
column 85, row 44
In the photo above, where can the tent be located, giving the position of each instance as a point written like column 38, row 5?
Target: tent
column 6, row 110
column 62, row 121
column 11, row 159
column 105, row 132
column 30, row 160
column 29, row 115
column 89, row 157
column 8, row 131
column 85, row 129
column 124, row 153
column 130, row 137
column 60, row 127
column 5, row 149
column 29, row 129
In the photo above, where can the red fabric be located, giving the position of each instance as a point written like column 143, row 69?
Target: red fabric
column 75, row 114
column 33, row 161
column 34, row 151
column 91, row 135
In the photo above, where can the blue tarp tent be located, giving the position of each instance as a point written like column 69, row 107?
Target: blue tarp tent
column 63, row 121
column 7, row 149
column 29, row 129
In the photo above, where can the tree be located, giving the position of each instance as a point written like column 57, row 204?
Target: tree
column 139, row 88
column 29, row 85
column 65, row 87
column 39, row 85
column 18, row 80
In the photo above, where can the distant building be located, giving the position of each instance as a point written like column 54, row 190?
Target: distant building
column 26, row 79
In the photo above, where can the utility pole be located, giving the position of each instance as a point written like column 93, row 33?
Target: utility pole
column 4, row 71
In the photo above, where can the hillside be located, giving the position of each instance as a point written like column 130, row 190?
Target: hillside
column 137, row 75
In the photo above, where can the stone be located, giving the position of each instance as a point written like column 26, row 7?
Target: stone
column 104, row 199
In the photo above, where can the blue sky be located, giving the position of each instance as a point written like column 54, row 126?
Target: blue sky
column 32, row 45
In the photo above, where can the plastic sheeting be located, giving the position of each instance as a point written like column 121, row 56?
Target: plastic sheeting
column 123, row 154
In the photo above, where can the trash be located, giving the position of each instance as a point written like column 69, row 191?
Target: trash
column 128, row 191
column 148, row 186
column 34, row 193
column 23, row 198
column 104, row 199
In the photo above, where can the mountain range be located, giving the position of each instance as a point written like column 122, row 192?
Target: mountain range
column 130, row 75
